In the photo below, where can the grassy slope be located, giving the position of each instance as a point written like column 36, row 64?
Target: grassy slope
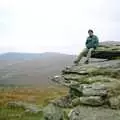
column 27, row 72
column 18, row 114
column 35, row 95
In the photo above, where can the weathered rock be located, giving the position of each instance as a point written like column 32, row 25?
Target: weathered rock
column 96, row 83
column 16, row 104
column 75, row 90
column 111, row 54
column 76, row 101
column 64, row 102
column 98, row 78
column 74, row 115
column 27, row 107
column 60, row 80
column 100, row 68
column 108, row 50
column 93, row 92
column 74, row 77
column 86, row 79
column 95, row 89
column 114, row 102
column 92, row 113
column 92, row 101
column 53, row 112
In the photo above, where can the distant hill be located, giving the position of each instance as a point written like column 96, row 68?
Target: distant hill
column 30, row 68
column 28, row 56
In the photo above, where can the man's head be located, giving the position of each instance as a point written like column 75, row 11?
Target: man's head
column 90, row 32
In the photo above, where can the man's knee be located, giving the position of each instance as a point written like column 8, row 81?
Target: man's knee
column 91, row 49
column 90, row 52
column 85, row 51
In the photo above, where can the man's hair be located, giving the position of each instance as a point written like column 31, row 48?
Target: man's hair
column 90, row 30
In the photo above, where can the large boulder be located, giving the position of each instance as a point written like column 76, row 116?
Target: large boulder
column 53, row 112
column 92, row 113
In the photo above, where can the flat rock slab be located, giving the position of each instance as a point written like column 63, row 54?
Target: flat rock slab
column 92, row 101
column 93, row 92
column 107, row 50
column 85, row 69
column 93, row 113
column 106, row 54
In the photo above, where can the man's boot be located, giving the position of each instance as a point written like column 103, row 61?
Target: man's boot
column 86, row 62
column 76, row 62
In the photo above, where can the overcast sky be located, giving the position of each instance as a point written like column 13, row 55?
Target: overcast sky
column 56, row 25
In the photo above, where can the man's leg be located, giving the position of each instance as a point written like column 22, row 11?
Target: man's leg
column 83, row 53
column 89, row 55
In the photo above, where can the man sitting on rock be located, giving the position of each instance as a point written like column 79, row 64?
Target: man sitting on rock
column 92, row 43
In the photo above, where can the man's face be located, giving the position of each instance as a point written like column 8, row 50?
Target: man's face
column 90, row 33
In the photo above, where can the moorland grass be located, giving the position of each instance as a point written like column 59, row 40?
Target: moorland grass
column 35, row 95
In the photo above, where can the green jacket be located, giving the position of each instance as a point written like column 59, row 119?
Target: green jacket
column 92, row 42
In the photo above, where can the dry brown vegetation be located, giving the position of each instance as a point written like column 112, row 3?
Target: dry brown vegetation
column 36, row 95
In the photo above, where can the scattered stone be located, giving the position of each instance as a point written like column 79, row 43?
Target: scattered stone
column 75, row 90
column 76, row 101
column 114, row 102
column 53, row 112
column 27, row 107
column 64, row 102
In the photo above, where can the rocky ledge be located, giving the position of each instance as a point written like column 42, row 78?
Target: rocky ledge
column 107, row 50
column 95, row 85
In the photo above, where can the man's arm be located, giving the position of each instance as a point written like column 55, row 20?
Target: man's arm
column 96, row 42
column 86, row 43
